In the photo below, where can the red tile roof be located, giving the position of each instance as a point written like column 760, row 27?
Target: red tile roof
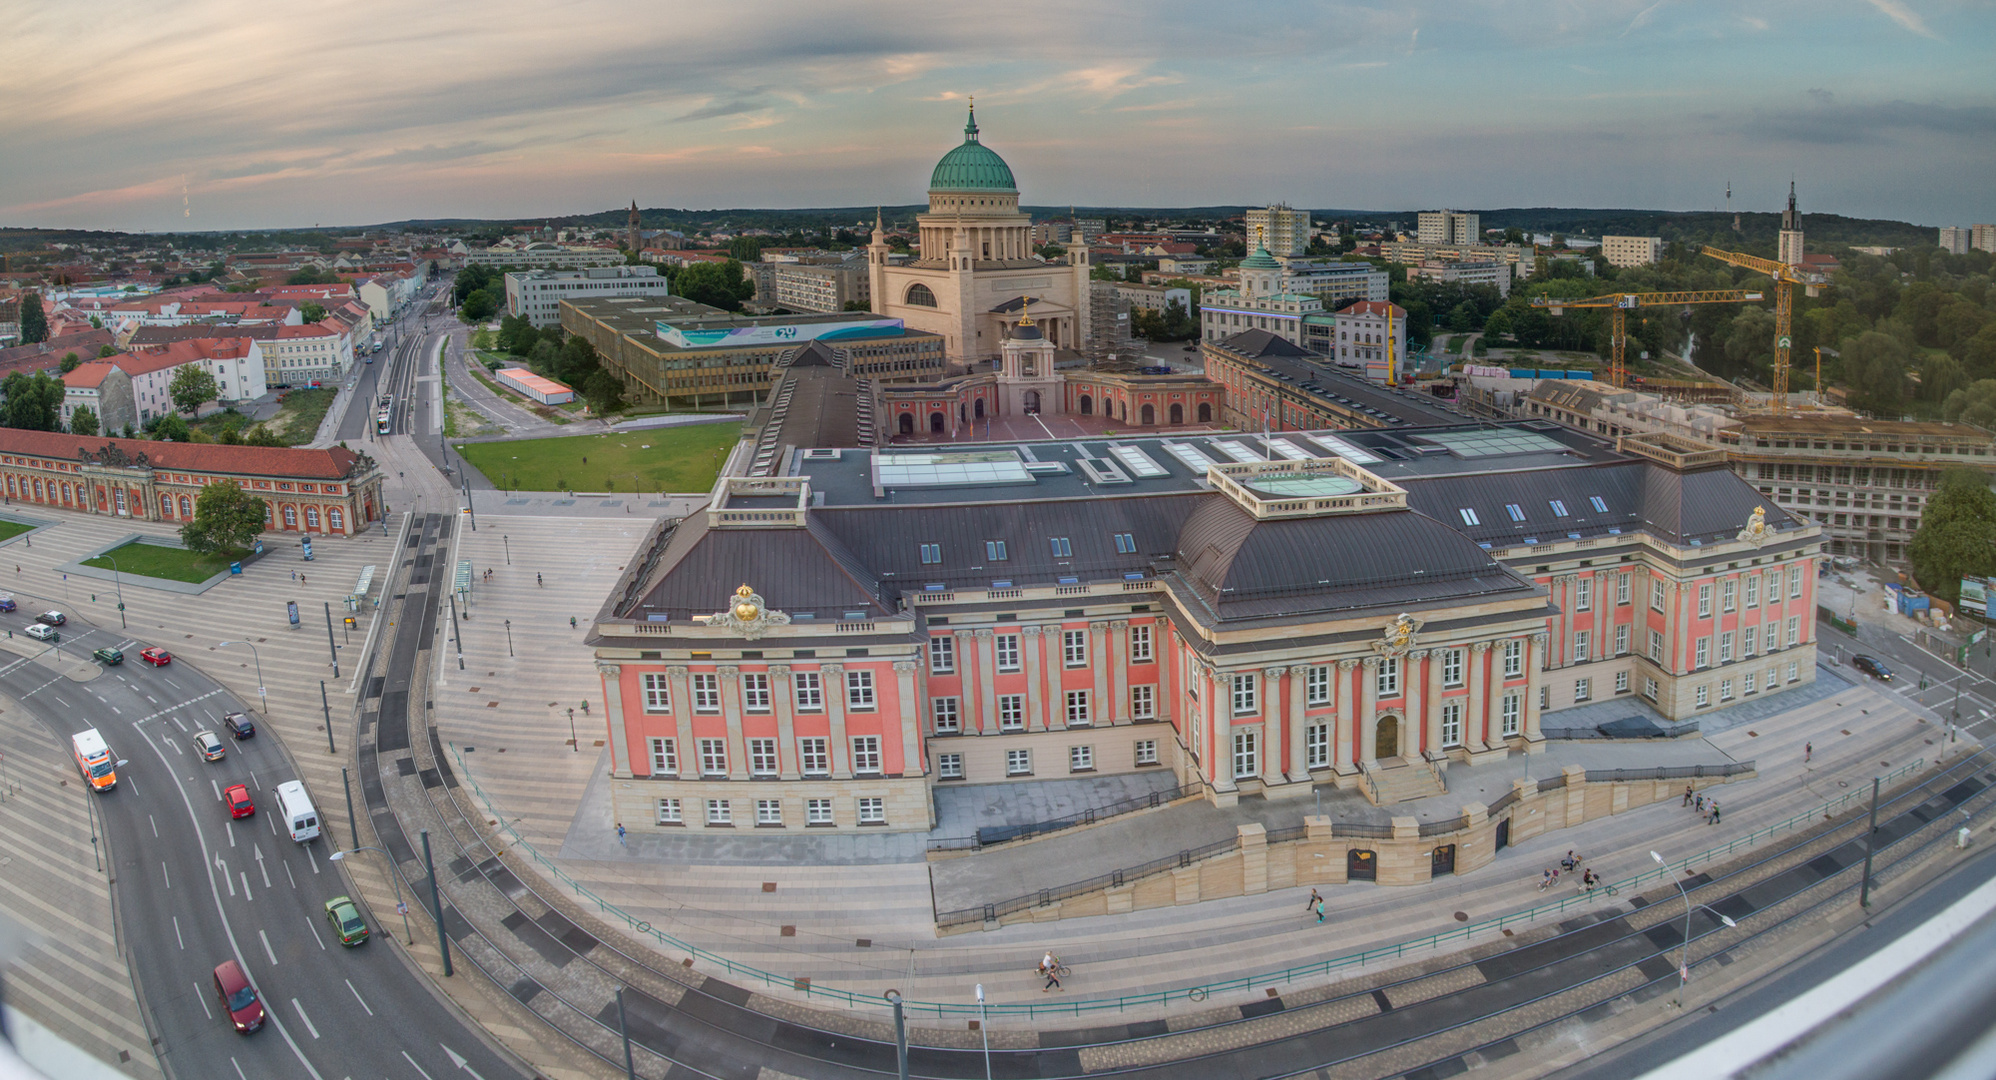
column 89, row 376
column 332, row 463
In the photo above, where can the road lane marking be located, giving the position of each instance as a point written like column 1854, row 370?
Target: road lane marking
column 176, row 934
column 239, row 1068
column 458, row 1060
column 413, row 1065
column 222, row 911
column 163, row 873
column 169, row 682
column 115, row 711
column 307, row 1019
column 217, row 785
column 175, row 747
column 232, row 836
column 287, row 873
column 155, row 826
column 154, row 716
column 178, row 724
column 131, row 784
column 226, row 879
column 273, row 825
column 201, row 996
column 357, row 997
column 313, row 925
column 246, row 890
column 312, row 857
column 267, row 950
column 59, row 701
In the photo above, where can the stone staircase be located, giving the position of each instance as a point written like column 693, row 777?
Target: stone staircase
column 1398, row 780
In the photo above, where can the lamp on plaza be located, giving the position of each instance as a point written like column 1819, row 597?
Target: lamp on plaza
column 900, row 1035
column 261, row 696
column 394, row 877
column 984, row 1030
column 118, row 581
column 509, row 637
column 574, row 740
column 1684, row 956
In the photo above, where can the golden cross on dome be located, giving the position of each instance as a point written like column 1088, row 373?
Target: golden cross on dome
column 1026, row 311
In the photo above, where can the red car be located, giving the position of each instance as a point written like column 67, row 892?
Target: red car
column 238, row 997
column 156, row 656
column 237, row 796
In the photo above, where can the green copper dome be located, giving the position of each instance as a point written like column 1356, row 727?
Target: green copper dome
column 1260, row 260
column 972, row 166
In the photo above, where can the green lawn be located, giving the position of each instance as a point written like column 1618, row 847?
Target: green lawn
column 12, row 529
column 154, row 560
column 679, row 459
column 301, row 414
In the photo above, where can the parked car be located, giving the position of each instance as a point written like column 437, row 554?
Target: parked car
column 6, row 603
column 208, row 746
column 239, row 725
column 156, row 656
column 237, row 798
column 1872, row 666
column 44, row 633
column 108, row 656
column 348, row 926
column 238, row 997
column 52, row 618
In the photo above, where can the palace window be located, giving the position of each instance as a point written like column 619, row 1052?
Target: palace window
column 1656, row 592
column 1387, row 682
column 1656, row 646
column 657, row 692
column 1702, row 651
column 706, row 693
column 1018, row 762
column 1622, row 588
column 949, row 766
column 1508, row 715
column 1451, row 667
column 872, row 810
column 1080, row 759
column 810, row 694
column 1245, row 687
column 1146, row 751
column 1753, row 591
column 944, row 709
column 1317, row 746
column 814, row 756
column 1074, row 647
column 1583, row 594
column 942, row 655
column 1622, row 639
column 762, row 757
column 755, row 692
column 713, row 757
column 719, row 812
column 1143, row 702
column 866, row 753
column 1514, row 659
column 1077, row 708
column 817, row 811
column 1317, row 685
column 1703, row 696
column 1580, row 643
column 1705, row 600
column 1011, row 712
column 664, row 757
column 768, row 812
column 1726, row 590
column 1247, row 756
column 1008, row 652
column 859, row 691
column 1140, row 645
column 1621, row 682
column 1583, row 689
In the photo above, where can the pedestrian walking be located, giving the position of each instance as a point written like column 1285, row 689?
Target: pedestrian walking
column 1687, row 794
column 620, row 834
column 537, row 581
column 571, row 622
column 1808, row 751
column 294, row 575
column 1315, row 898
column 301, row 579
column 1699, row 805
column 1715, row 811
column 1320, row 911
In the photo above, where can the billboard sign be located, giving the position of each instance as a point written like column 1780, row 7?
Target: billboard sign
column 1975, row 596
column 778, row 334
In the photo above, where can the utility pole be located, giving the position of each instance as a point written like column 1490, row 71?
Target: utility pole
column 436, row 902
column 353, row 825
column 1870, row 831
column 327, row 709
column 330, row 647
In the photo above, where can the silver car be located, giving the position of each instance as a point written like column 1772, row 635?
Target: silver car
column 209, row 747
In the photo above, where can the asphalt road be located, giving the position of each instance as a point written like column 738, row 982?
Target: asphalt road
column 195, row 888
column 1910, row 662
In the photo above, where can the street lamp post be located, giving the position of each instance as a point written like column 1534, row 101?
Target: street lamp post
column 984, row 1030
column 1684, row 956
column 574, row 740
column 261, row 696
column 509, row 550
column 900, row 1035
column 509, row 637
column 118, row 580
column 394, row 878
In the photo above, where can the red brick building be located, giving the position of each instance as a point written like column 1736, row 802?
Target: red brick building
column 331, row 492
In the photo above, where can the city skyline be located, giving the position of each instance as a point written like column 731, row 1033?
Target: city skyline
column 204, row 116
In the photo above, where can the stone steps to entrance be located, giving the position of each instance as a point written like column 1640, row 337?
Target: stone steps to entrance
column 1403, row 783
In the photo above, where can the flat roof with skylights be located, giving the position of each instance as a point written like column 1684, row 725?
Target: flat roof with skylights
column 1491, row 442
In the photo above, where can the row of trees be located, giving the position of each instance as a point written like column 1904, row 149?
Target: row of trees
column 567, row 359
column 1957, row 536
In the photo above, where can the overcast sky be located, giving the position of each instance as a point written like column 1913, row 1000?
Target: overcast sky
column 207, row 114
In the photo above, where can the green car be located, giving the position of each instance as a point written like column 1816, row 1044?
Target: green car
column 108, row 657
column 348, row 926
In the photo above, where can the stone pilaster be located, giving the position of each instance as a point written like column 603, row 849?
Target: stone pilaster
column 1531, row 703
column 1478, row 721
column 1101, row 708
column 1431, row 706
column 682, row 707
column 1414, row 725
column 784, row 699
column 613, row 712
column 1298, row 719
column 986, row 716
column 833, row 679
column 731, row 711
column 912, row 762
column 1368, row 719
column 1117, row 709
column 1031, row 642
column 1345, row 737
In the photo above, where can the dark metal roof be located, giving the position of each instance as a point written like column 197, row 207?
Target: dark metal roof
column 1256, row 344
column 795, row 570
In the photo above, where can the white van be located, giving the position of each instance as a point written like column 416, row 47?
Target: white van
column 295, row 810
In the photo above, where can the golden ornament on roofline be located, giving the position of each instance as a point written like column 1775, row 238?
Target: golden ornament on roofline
column 748, row 615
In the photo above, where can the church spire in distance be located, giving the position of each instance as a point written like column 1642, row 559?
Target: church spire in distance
column 970, row 126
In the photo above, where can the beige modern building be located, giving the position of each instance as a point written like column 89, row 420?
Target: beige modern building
column 1631, row 250
column 976, row 274
column 1956, row 240
column 1284, row 232
column 817, row 286
column 1982, row 237
column 1449, row 227
column 537, row 294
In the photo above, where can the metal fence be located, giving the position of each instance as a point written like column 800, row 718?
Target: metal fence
column 1111, row 880
column 998, row 834
column 1670, row 772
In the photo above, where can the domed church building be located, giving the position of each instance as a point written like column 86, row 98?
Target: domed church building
column 975, row 278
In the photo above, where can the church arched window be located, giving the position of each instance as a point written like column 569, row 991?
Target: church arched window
column 920, row 296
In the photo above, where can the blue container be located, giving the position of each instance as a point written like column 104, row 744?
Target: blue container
column 235, row 568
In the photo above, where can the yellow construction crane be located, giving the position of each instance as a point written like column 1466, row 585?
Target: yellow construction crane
column 1620, row 303
column 1785, row 277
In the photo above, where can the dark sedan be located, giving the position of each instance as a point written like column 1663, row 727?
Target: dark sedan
column 1872, row 666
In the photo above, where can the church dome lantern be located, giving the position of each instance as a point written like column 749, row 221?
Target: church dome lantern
column 972, row 166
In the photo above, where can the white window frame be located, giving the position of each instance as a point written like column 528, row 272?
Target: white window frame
column 1247, row 693
column 1656, row 594
column 1725, row 689
column 1795, row 581
column 1583, row 689
column 1701, row 653
column 706, row 693
column 769, row 811
column 1583, row 594
column 664, row 757
column 1580, row 643
column 1143, row 702
column 755, row 692
column 1794, row 630
column 1078, row 711
column 1794, row 671
column 1749, row 683
column 1704, row 599
column 1074, row 648
column 818, row 812
column 1622, row 588
column 720, row 812
column 814, row 755
column 942, row 655
column 1451, row 723
column 1080, row 759
column 1753, row 590
column 866, row 755
column 669, row 812
column 1702, row 695
column 859, row 691
column 1317, row 746
column 1649, row 688
column 1011, row 712
column 949, row 766
column 1146, row 751
column 1725, row 646
column 1317, row 685
column 1514, row 659
column 1621, row 682
column 809, row 690
column 1387, row 677
column 1656, row 646
column 872, row 810
column 1749, row 641
column 1510, row 712
column 713, row 757
column 1008, row 653
column 1728, row 594
column 1140, row 645
column 657, row 689
column 1451, row 667
column 1621, row 639
column 1019, row 762
column 1247, row 753
column 948, row 715
column 762, row 757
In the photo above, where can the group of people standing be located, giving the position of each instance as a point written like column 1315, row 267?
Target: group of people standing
column 1709, row 808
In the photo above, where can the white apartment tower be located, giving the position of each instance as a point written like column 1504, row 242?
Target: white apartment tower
column 1790, row 250
column 1982, row 237
column 1955, row 239
column 1449, row 228
column 1284, row 232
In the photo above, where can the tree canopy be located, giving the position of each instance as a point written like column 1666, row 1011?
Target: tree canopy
column 83, row 421
column 227, row 520
column 313, row 275
column 1973, row 404
column 192, row 384
column 34, row 321
column 311, row 311
column 722, row 285
column 33, row 402
column 1957, row 536
column 70, row 361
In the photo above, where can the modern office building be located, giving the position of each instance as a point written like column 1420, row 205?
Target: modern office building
column 537, row 294
column 1481, row 272
column 1333, row 281
column 820, row 647
column 816, row 285
column 542, row 255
